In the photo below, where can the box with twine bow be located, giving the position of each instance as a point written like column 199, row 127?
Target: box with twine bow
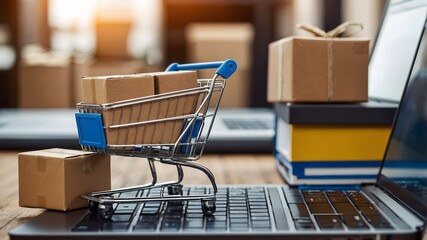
column 328, row 67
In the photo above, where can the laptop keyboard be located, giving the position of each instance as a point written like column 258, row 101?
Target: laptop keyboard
column 237, row 209
column 333, row 210
column 243, row 209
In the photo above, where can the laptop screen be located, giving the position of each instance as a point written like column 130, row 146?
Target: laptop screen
column 395, row 49
column 404, row 171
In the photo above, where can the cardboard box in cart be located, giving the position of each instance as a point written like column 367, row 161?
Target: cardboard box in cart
column 317, row 69
column 55, row 178
column 110, row 89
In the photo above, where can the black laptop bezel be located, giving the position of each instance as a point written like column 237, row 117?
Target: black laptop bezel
column 415, row 204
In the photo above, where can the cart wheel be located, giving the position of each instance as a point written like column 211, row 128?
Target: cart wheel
column 175, row 189
column 208, row 207
column 93, row 206
column 105, row 211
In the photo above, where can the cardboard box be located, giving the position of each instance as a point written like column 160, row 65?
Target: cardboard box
column 55, row 178
column 112, row 39
column 109, row 89
column 314, row 69
column 220, row 41
column 85, row 67
column 208, row 42
column 45, row 81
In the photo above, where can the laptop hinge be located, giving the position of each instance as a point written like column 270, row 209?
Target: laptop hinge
column 330, row 187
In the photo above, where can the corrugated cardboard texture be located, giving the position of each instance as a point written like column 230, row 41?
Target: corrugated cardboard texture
column 55, row 178
column 318, row 70
column 44, row 84
column 115, row 88
column 109, row 89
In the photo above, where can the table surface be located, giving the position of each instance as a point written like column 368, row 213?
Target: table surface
column 228, row 169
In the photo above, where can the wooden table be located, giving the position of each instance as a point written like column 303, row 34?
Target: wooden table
column 228, row 169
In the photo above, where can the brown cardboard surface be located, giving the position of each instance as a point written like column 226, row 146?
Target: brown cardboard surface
column 318, row 70
column 55, row 178
column 44, row 83
column 109, row 89
column 237, row 91
column 112, row 39
column 220, row 41
column 85, row 67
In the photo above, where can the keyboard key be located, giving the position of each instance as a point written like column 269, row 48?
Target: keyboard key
column 377, row 221
column 239, row 226
column 145, row 226
column 125, row 208
column 320, row 208
column 170, row 225
column 354, row 221
column 312, row 194
column 368, row 210
column 115, row 226
column 316, row 199
column 121, row 217
column 345, row 207
column 335, row 194
column 299, row 210
column 338, row 199
column 305, row 224
column 294, row 199
column 329, row 222
column 216, row 226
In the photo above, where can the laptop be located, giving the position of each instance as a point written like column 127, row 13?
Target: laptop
column 235, row 130
column 394, row 207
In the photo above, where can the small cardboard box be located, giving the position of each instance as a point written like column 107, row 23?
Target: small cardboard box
column 109, row 89
column 112, row 39
column 315, row 69
column 206, row 42
column 45, row 81
column 55, row 178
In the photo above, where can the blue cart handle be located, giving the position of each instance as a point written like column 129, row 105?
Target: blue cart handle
column 225, row 68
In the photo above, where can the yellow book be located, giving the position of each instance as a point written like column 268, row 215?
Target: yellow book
column 319, row 142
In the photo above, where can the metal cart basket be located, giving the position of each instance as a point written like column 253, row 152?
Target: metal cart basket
column 171, row 128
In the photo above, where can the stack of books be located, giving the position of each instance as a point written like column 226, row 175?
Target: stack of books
column 331, row 143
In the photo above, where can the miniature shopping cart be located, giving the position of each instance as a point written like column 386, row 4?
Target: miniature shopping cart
column 170, row 128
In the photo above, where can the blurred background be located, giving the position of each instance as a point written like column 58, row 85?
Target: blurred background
column 46, row 46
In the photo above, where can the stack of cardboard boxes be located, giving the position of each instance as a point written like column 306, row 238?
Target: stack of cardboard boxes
column 207, row 42
column 324, row 133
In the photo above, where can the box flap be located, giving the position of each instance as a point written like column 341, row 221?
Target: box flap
column 58, row 153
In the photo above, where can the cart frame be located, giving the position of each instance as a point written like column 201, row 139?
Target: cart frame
column 182, row 152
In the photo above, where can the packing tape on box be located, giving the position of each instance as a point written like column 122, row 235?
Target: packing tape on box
column 280, row 72
column 340, row 31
